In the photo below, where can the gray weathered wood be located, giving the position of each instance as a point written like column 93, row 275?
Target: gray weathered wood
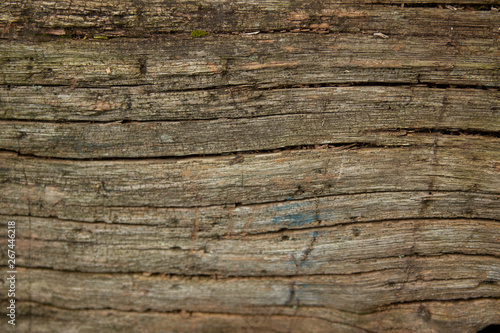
column 460, row 108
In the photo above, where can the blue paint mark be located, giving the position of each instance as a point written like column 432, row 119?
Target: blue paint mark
column 297, row 220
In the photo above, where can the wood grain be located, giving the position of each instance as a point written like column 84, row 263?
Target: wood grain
column 349, row 248
column 215, row 221
column 437, row 316
column 448, row 163
column 464, row 109
column 267, row 60
column 308, row 166
column 138, row 19
column 136, row 292
column 339, row 125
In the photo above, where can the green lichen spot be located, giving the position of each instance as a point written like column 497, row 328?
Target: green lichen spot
column 199, row 33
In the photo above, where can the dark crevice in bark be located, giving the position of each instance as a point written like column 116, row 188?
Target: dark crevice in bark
column 338, row 146
column 133, row 121
column 288, row 231
column 440, row 130
column 200, row 276
column 417, row 82
column 392, row 305
column 348, row 145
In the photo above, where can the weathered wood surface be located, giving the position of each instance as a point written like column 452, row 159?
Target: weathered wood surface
column 446, row 317
column 265, row 61
column 260, row 62
column 158, row 139
column 447, row 163
column 364, row 251
column 361, row 293
column 314, row 177
column 138, row 18
column 328, row 123
column 472, row 109
column 342, row 249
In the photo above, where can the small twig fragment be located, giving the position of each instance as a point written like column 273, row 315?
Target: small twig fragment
column 381, row 35
column 251, row 33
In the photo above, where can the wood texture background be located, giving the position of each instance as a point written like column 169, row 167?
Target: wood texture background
column 308, row 166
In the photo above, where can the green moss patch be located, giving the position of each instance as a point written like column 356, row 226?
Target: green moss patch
column 199, row 33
